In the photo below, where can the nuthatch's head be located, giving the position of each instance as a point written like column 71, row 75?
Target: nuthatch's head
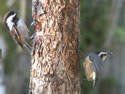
column 103, row 55
column 93, row 65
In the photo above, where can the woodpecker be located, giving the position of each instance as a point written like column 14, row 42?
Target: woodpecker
column 93, row 65
column 17, row 29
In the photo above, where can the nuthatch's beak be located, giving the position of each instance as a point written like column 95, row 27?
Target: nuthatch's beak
column 109, row 53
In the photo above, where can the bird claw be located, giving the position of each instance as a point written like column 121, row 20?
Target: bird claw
column 31, row 37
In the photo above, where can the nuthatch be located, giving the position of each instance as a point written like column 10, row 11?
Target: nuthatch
column 17, row 29
column 93, row 65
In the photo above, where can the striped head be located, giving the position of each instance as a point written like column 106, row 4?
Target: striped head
column 103, row 55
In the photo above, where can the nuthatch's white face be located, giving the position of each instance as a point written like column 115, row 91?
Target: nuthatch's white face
column 103, row 55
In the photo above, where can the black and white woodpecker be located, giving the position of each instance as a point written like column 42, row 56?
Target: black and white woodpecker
column 17, row 29
column 93, row 65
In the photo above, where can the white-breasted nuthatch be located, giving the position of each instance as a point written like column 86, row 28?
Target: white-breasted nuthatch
column 17, row 29
column 93, row 65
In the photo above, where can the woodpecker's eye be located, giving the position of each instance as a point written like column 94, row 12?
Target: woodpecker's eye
column 91, row 58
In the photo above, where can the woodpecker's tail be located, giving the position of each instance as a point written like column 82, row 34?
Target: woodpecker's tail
column 28, row 48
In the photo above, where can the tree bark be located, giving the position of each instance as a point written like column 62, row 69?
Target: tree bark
column 55, row 59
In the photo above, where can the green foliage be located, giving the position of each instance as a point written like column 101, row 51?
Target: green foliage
column 119, row 34
column 2, row 8
column 12, row 51
column 11, row 46
column 93, row 23
column 106, row 86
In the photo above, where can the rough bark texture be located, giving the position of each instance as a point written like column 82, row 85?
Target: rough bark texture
column 55, row 60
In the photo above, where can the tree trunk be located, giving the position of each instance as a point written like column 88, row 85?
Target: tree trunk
column 55, row 59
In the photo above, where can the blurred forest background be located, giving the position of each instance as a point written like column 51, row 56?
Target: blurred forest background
column 102, row 28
